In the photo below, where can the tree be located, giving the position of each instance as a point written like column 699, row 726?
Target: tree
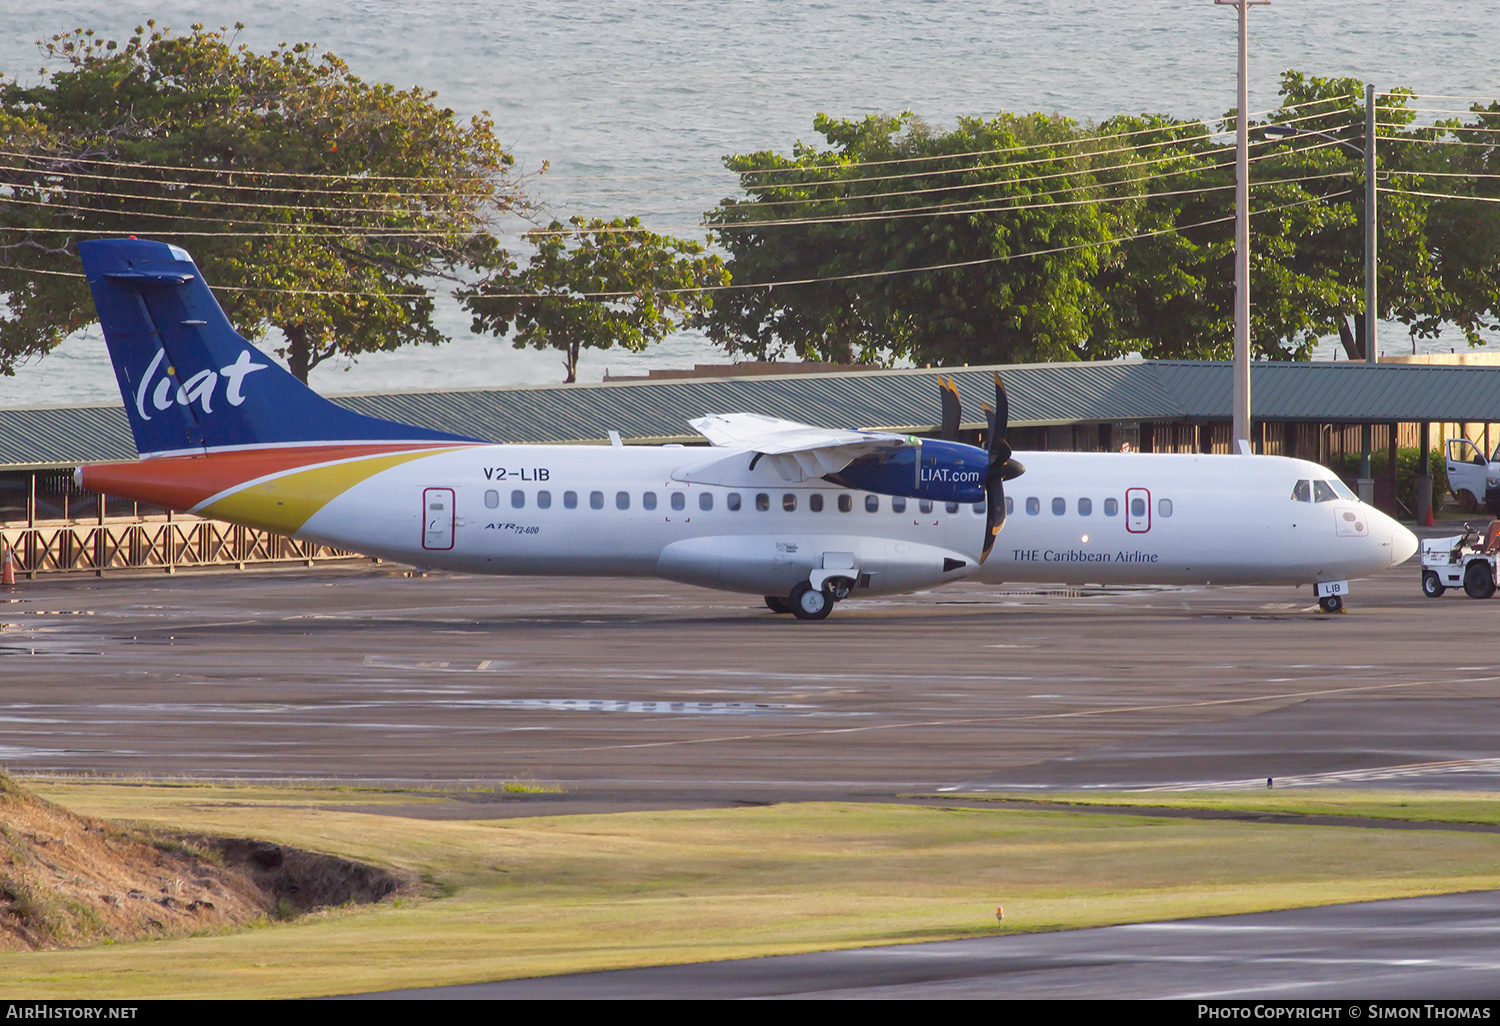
column 904, row 242
column 595, row 285
column 1027, row 237
column 320, row 205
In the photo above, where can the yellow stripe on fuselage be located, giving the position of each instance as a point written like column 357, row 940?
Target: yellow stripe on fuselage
column 283, row 504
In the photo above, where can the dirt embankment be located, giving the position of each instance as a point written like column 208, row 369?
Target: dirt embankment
column 68, row 880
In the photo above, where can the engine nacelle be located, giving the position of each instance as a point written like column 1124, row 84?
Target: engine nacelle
column 935, row 469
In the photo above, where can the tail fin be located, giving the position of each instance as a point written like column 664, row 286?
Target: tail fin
column 190, row 382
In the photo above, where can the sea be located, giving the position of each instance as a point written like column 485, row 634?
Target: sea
column 627, row 107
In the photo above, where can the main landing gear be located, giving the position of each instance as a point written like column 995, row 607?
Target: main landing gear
column 807, row 602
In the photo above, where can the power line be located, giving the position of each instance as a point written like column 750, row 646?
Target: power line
column 381, row 231
column 190, row 169
column 777, row 284
column 972, row 168
column 1439, row 195
column 970, row 153
column 952, row 209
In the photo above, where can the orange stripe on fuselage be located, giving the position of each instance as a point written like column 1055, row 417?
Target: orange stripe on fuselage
column 182, row 482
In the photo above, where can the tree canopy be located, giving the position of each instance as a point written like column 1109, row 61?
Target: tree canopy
column 317, row 204
column 1028, row 237
column 594, row 284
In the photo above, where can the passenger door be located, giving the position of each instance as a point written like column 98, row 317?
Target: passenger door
column 437, row 518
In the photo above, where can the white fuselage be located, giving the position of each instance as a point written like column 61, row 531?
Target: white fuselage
column 650, row 510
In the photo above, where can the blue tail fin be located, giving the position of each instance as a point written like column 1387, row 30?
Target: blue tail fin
column 191, row 383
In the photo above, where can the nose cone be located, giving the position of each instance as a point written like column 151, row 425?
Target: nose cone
column 1404, row 544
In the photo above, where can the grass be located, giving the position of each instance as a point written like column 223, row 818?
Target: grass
column 528, row 897
column 1412, row 806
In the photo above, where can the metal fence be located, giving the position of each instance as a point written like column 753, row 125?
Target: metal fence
column 161, row 544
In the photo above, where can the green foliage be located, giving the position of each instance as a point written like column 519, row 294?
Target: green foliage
column 942, row 200
column 318, row 204
column 595, row 285
column 1407, row 465
column 1028, row 237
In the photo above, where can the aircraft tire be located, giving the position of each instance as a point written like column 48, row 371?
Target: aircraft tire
column 1331, row 603
column 1479, row 581
column 809, row 603
column 777, row 604
column 1432, row 584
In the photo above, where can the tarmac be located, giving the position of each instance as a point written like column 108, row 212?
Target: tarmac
column 641, row 694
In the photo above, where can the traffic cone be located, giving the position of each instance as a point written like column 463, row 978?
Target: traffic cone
column 8, row 569
column 1429, row 515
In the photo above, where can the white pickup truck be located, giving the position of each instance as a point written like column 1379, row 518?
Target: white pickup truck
column 1474, row 479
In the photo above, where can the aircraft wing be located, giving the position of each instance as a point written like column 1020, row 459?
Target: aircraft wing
column 798, row 451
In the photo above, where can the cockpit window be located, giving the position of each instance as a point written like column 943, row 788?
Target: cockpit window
column 1302, row 491
column 1323, row 492
column 1342, row 490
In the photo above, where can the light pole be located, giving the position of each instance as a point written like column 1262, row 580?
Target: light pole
column 1242, row 239
column 1366, row 482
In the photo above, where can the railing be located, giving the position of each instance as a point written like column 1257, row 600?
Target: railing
column 160, row 544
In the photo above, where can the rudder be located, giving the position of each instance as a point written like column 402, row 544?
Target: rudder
column 193, row 384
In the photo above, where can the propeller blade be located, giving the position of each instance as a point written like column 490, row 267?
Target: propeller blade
column 952, row 410
column 1002, row 468
column 999, row 448
column 994, row 514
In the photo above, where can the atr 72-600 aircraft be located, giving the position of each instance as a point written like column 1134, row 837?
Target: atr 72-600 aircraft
column 805, row 516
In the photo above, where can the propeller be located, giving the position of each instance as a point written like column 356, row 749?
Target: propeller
column 1002, row 468
column 952, row 410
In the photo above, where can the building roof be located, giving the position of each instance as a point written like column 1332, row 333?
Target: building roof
column 901, row 400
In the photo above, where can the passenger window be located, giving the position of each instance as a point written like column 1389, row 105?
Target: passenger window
column 1302, row 491
column 679, row 500
column 815, row 502
column 872, row 504
column 845, row 503
column 762, row 502
column 1323, row 492
column 951, row 507
column 789, row 502
column 543, row 500
column 492, row 499
column 1137, row 507
column 1059, row 507
column 596, row 500
column 1033, row 506
column 979, row 507
column 925, row 506
column 648, row 501
column 732, row 503
column 1085, row 507
column 706, row 501
column 622, row 500
column 570, row 500
column 1163, row 507
column 1010, row 505
column 898, row 504
column 1111, row 507
column 517, row 499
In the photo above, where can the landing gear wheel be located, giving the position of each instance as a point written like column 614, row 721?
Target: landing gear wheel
column 1432, row 584
column 1331, row 603
column 776, row 604
column 1479, row 580
column 809, row 603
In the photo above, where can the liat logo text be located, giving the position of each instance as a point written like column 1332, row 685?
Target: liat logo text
column 199, row 388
